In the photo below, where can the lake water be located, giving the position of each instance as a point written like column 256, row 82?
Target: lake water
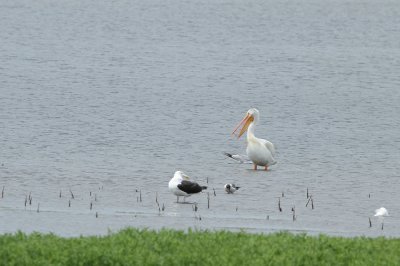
column 107, row 99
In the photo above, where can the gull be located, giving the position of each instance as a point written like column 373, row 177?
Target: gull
column 230, row 188
column 180, row 185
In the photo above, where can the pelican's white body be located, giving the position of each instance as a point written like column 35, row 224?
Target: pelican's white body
column 260, row 151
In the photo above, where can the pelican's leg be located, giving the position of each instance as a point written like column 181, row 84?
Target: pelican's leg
column 266, row 168
column 177, row 199
column 255, row 167
column 184, row 199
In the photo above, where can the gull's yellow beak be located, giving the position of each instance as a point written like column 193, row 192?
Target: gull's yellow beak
column 244, row 124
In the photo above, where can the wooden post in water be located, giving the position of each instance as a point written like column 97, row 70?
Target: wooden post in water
column 294, row 213
column 72, row 194
column 279, row 204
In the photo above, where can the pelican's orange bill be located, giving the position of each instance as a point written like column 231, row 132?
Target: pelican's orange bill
column 246, row 121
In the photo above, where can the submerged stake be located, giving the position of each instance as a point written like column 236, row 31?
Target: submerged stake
column 370, row 224
column 294, row 213
column 208, row 200
column 279, row 204
column 72, row 194
column 38, row 207
column 308, row 201
column 2, row 193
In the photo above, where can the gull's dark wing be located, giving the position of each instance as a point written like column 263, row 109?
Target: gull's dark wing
column 190, row 187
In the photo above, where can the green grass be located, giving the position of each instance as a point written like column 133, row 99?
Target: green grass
column 169, row 247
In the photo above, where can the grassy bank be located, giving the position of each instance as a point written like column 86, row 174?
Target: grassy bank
column 167, row 247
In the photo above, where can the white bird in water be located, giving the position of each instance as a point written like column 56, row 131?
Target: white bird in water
column 260, row 151
column 241, row 158
column 381, row 213
column 181, row 186
column 230, row 188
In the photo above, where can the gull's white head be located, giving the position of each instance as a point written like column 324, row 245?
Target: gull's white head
column 252, row 116
column 381, row 212
column 181, row 175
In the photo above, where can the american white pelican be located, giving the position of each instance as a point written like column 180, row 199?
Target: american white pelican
column 181, row 186
column 260, row 151
column 230, row 188
column 241, row 158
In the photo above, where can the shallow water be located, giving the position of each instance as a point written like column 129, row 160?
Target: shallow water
column 105, row 99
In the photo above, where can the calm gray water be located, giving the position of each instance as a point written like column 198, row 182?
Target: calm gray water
column 108, row 98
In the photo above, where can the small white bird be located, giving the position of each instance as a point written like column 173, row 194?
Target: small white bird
column 230, row 188
column 180, row 185
column 381, row 213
